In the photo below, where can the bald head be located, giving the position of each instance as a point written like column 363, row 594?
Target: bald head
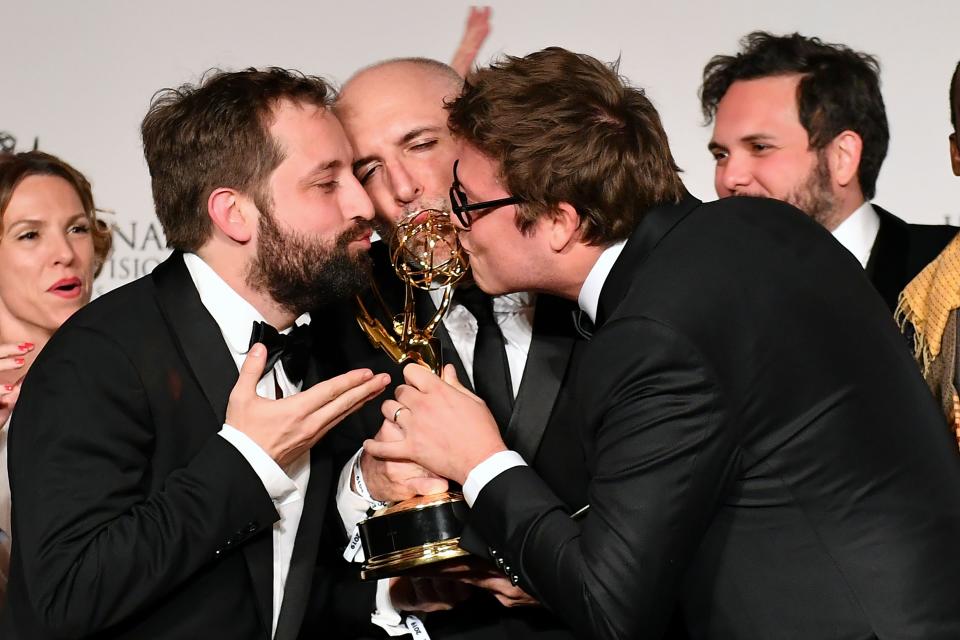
column 393, row 113
column 406, row 74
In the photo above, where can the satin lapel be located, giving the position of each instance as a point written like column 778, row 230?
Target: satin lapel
column 655, row 224
column 303, row 562
column 200, row 340
column 202, row 346
column 887, row 266
column 552, row 344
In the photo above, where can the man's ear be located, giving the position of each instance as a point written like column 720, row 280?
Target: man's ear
column 844, row 157
column 232, row 213
column 563, row 227
column 954, row 154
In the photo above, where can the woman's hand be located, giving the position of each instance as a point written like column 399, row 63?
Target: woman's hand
column 13, row 360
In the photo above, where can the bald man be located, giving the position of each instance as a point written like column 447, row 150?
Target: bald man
column 393, row 113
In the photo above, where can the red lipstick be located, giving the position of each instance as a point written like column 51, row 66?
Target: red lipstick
column 67, row 288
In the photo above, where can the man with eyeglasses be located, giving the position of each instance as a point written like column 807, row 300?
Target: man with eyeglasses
column 762, row 450
column 513, row 350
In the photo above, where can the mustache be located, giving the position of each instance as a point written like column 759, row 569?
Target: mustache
column 358, row 230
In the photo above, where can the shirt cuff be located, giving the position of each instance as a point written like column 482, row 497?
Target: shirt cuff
column 386, row 615
column 351, row 505
column 277, row 483
column 487, row 470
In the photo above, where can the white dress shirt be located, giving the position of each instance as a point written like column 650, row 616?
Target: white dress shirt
column 286, row 486
column 514, row 314
column 858, row 232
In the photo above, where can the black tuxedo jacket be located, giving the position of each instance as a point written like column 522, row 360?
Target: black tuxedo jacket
column 901, row 251
column 132, row 517
column 761, row 446
column 536, row 430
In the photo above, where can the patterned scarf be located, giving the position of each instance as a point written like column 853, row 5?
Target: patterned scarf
column 929, row 304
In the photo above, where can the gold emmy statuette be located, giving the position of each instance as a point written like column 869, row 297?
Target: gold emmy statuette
column 427, row 255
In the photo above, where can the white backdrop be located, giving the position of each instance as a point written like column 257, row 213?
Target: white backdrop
column 80, row 74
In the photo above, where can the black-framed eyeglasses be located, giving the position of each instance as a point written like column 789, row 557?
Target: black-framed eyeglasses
column 462, row 208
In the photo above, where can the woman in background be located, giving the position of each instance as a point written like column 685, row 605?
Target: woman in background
column 51, row 248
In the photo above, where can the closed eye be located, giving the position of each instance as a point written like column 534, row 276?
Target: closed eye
column 363, row 174
column 424, row 146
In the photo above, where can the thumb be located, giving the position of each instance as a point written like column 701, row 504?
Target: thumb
column 251, row 371
column 449, row 375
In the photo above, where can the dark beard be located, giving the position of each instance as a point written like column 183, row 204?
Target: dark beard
column 815, row 197
column 302, row 273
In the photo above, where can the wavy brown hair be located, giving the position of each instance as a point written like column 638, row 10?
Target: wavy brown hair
column 15, row 167
column 197, row 138
column 565, row 127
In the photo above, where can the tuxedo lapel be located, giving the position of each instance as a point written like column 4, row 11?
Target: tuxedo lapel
column 550, row 350
column 202, row 347
column 655, row 224
column 887, row 266
column 196, row 332
column 303, row 562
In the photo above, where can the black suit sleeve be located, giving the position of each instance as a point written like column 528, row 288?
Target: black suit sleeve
column 96, row 546
column 661, row 455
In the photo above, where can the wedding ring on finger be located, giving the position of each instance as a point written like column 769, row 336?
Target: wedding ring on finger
column 397, row 412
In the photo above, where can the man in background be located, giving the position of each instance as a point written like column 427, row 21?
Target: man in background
column 803, row 121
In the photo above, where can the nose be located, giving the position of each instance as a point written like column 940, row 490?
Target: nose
column 406, row 188
column 356, row 203
column 732, row 175
column 62, row 251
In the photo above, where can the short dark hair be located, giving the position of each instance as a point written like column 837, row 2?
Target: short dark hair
column 955, row 99
column 216, row 134
column 15, row 167
column 565, row 127
column 839, row 91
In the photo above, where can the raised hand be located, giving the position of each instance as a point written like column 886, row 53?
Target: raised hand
column 288, row 427
column 13, row 362
column 474, row 34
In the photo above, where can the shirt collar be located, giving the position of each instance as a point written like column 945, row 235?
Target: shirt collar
column 506, row 304
column 858, row 232
column 589, row 298
column 232, row 313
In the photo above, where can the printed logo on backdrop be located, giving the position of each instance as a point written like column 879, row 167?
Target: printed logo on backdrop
column 138, row 247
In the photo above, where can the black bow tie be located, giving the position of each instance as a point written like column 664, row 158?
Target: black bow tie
column 292, row 349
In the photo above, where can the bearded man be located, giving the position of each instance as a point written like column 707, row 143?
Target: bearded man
column 151, row 500
column 803, row 121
